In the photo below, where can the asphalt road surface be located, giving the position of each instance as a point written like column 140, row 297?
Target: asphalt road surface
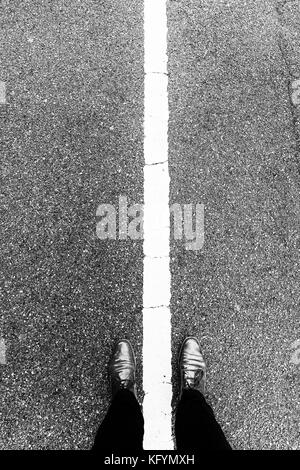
column 72, row 138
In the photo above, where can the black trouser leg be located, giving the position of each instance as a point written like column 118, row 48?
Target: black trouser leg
column 196, row 428
column 123, row 426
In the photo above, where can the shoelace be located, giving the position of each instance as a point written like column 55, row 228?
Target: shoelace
column 195, row 379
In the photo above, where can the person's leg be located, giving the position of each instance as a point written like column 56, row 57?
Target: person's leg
column 196, row 427
column 123, row 427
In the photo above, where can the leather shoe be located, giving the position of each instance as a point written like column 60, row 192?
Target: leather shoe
column 192, row 366
column 122, row 368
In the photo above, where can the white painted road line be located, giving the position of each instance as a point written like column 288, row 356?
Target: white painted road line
column 156, row 119
column 156, row 211
column 157, row 283
column 157, row 385
column 155, row 36
column 157, row 379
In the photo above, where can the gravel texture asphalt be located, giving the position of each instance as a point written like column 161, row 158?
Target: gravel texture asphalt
column 72, row 138
column 234, row 148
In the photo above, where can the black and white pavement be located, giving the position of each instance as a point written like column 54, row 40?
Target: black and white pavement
column 72, row 113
